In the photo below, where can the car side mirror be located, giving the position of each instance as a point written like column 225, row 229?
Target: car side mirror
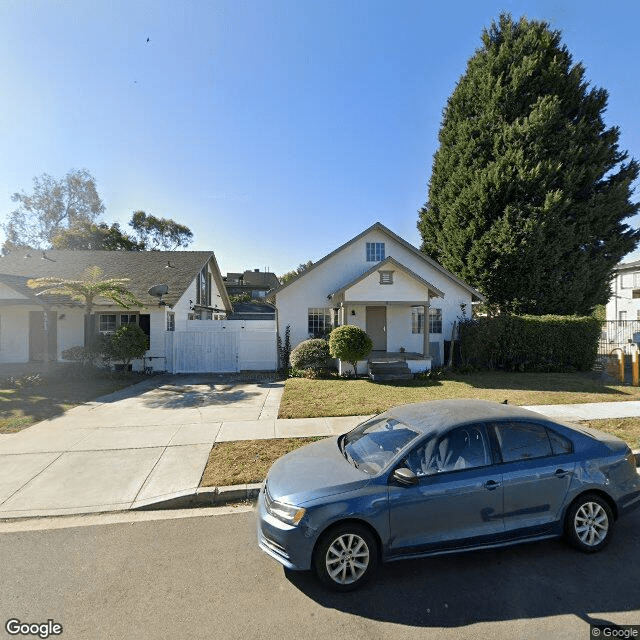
column 405, row 477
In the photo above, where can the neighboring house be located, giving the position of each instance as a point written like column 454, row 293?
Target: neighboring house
column 253, row 311
column 623, row 308
column 384, row 285
column 256, row 283
column 38, row 328
column 624, row 303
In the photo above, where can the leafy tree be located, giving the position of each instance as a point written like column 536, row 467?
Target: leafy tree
column 126, row 344
column 529, row 190
column 290, row 275
column 64, row 214
column 54, row 205
column 159, row 233
column 351, row 344
column 89, row 235
column 86, row 291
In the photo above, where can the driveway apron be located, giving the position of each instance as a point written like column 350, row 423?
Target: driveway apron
column 146, row 443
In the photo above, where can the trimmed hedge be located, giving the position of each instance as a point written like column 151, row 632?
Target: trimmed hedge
column 311, row 354
column 530, row 343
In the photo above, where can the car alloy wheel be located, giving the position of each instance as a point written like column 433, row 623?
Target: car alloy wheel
column 345, row 557
column 589, row 523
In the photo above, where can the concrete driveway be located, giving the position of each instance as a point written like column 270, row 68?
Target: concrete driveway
column 140, row 446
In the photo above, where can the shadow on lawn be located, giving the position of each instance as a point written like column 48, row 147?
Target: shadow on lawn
column 34, row 392
column 579, row 382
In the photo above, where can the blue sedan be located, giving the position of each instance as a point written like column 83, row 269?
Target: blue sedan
column 441, row 477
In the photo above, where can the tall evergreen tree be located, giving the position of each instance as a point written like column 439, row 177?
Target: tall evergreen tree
column 529, row 192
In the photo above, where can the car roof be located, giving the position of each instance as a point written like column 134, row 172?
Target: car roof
column 440, row 415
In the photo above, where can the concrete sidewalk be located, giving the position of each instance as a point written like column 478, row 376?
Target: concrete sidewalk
column 149, row 444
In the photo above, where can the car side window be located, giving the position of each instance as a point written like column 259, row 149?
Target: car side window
column 522, row 441
column 461, row 448
column 559, row 444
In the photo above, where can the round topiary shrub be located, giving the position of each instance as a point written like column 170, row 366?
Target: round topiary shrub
column 351, row 344
column 311, row 354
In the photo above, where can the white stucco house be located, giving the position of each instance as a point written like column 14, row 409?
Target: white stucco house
column 623, row 309
column 384, row 285
column 624, row 303
column 189, row 326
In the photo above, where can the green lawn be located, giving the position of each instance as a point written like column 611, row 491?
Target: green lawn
column 305, row 398
column 233, row 463
column 53, row 394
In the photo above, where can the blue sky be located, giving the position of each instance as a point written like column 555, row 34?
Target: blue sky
column 276, row 130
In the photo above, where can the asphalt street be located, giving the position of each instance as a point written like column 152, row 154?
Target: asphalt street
column 199, row 574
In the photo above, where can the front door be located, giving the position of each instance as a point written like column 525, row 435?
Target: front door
column 377, row 327
column 43, row 338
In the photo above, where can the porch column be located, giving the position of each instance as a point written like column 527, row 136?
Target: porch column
column 425, row 330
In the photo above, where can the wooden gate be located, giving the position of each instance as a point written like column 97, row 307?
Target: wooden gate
column 204, row 352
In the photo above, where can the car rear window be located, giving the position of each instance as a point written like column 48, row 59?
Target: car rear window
column 522, row 441
column 559, row 444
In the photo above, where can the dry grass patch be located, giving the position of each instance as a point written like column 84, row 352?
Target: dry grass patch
column 305, row 398
column 246, row 461
column 627, row 429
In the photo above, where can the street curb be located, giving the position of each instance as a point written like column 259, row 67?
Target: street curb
column 217, row 496
column 205, row 497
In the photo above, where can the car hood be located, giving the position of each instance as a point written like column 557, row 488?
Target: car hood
column 314, row 471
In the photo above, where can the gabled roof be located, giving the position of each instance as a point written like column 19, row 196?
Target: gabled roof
column 145, row 269
column 19, row 285
column 252, row 278
column 628, row 266
column 378, row 226
column 384, row 265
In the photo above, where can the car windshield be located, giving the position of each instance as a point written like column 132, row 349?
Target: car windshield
column 371, row 446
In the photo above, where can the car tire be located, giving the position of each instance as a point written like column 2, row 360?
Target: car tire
column 589, row 523
column 345, row 557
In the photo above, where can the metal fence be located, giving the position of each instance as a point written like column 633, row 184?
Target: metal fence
column 618, row 334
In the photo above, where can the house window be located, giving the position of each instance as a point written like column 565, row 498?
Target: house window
column 386, row 277
column 203, row 288
column 171, row 321
column 375, row 251
column 622, row 316
column 417, row 320
column 128, row 318
column 107, row 322
column 435, row 320
column 319, row 322
column 635, row 293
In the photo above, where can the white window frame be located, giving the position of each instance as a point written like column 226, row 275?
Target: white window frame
column 375, row 251
column 417, row 320
column 435, row 321
column 319, row 319
column 108, row 326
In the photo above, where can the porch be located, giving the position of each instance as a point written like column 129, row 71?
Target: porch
column 390, row 365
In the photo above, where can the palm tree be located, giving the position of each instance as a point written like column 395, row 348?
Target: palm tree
column 86, row 291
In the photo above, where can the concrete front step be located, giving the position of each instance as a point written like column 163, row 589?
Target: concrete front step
column 389, row 371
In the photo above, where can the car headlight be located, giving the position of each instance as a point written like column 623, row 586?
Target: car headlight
column 286, row 512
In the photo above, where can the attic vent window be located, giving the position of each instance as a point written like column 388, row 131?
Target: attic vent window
column 375, row 251
column 386, row 277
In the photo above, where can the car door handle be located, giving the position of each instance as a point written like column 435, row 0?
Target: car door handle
column 491, row 485
column 561, row 473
